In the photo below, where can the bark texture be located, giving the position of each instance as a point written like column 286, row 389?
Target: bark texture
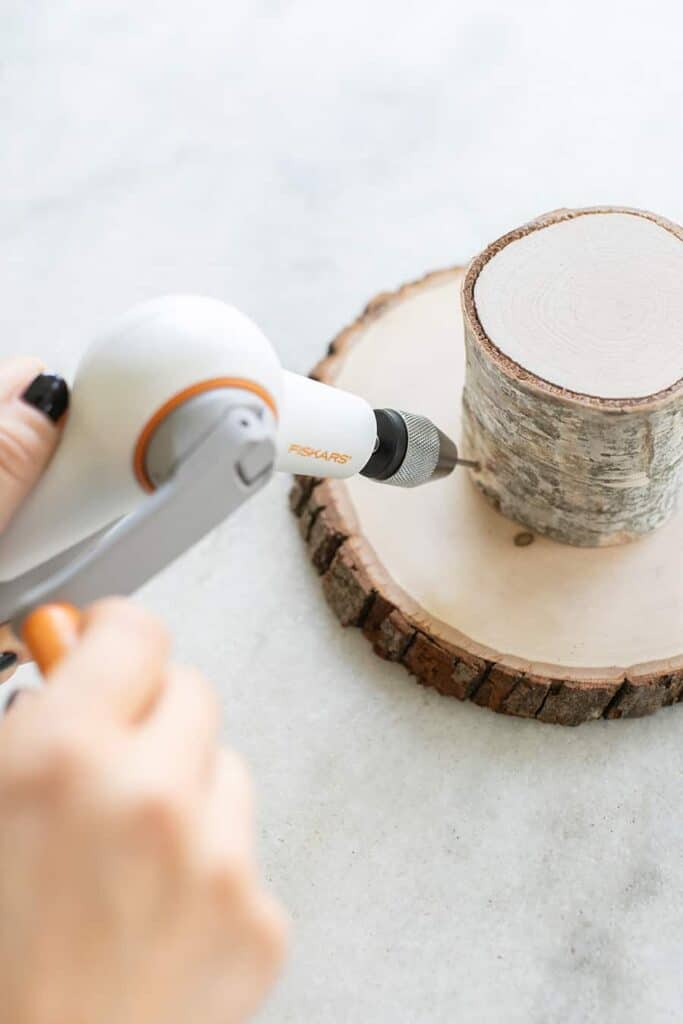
column 583, row 470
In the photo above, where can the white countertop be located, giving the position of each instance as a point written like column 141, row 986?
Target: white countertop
column 440, row 863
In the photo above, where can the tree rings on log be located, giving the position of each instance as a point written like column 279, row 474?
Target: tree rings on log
column 467, row 600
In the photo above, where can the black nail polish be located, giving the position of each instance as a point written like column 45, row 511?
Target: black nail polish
column 49, row 394
column 7, row 660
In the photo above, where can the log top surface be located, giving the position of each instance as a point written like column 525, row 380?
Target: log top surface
column 592, row 304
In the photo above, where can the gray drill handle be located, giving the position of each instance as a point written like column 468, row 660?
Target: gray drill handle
column 233, row 461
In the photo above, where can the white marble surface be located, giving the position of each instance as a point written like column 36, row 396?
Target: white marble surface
column 440, row 863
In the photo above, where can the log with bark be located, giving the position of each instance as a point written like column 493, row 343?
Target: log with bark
column 573, row 400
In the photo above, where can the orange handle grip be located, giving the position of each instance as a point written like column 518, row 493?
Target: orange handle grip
column 50, row 632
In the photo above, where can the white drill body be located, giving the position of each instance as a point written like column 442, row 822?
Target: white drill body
column 154, row 353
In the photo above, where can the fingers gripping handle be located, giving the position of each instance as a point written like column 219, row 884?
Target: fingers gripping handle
column 50, row 632
column 194, row 500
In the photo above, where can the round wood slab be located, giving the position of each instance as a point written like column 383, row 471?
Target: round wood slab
column 468, row 601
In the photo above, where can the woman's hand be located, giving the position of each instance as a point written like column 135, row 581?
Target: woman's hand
column 128, row 887
column 32, row 407
column 32, row 404
column 128, row 892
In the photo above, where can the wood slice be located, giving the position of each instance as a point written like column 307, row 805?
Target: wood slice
column 573, row 400
column 442, row 583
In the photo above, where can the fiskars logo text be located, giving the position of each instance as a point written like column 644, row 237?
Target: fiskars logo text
column 319, row 453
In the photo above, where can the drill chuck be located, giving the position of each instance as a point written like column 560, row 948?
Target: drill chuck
column 410, row 450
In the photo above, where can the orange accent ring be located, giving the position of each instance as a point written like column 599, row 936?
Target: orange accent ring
column 192, row 391
column 50, row 632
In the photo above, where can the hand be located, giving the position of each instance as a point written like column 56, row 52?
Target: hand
column 128, row 893
column 32, row 407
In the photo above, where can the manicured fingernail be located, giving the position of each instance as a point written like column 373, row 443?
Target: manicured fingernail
column 7, row 660
column 49, row 394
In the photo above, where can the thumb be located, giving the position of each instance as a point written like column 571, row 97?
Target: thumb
column 31, row 406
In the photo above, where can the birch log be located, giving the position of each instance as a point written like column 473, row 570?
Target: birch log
column 573, row 401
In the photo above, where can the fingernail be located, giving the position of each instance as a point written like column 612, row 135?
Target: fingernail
column 7, row 660
column 49, row 394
